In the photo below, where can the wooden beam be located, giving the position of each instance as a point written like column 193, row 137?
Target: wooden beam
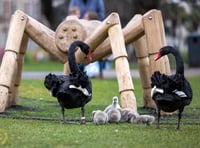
column 73, row 29
column 142, row 56
column 131, row 32
column 20, row 62
column 45, row 38
column 125, row 84
column 155, row 36
column 8, row 67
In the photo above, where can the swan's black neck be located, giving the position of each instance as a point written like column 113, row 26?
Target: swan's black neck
column 74, row 68
column 178, row 59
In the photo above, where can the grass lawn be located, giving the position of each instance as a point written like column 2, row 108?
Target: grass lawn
column 48, row 65
column 36, row 122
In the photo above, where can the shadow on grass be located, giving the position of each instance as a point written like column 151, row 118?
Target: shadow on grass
column 38, row 109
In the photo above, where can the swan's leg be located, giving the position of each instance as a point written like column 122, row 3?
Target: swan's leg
column 83, row 121
column 158, row 120
column 63, row 114
column 179, row 117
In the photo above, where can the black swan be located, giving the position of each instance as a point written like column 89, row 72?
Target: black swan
column 73, row 90
column 172, row 92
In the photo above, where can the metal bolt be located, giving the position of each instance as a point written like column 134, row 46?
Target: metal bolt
column 64, row 29
column 108, row 22
column 150, row 17
column 60, row 37
column 73, row 28
column 22, row 18
column 75, row 36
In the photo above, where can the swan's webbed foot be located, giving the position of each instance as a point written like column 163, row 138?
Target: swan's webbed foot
column 158, row 126
column 83, row 121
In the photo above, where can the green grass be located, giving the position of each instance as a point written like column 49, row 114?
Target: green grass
column 54, row 66
column 53, row 135
column 31, row 64
column 24, row 129
column 47, row 65
column 42, row 66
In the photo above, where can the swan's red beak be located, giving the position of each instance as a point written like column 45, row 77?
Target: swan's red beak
column 158, row 56
column 89, row 56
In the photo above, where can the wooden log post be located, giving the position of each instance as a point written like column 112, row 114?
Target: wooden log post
column 126, row 87
column 144, row 70
column 154, row 31
column 132, row 31
column 45, row 38
column 73, row 29
column 7, row 76
column 155, row 35
column 68, row 31
column 9, row 62
column 20, row 62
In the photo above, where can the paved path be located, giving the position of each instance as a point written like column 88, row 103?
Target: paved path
column 106, row 73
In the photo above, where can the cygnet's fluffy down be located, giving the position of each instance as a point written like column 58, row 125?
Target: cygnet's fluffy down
column 100, row 117
column 114, row 115
column 143, row 119
column 127, row 114
column 115, row 104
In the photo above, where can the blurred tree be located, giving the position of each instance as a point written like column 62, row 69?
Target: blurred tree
column 142, row 6
column 128, row 8
column 172, row 12
column 54, row 15
column 194, row 19
column 175, row 13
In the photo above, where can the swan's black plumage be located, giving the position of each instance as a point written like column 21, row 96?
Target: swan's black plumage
column 73, row 90
column 171, row 92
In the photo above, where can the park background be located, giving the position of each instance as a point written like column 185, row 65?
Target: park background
column 35, row 121
column 181, row 18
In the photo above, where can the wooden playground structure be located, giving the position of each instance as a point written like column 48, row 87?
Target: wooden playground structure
column 146, row 32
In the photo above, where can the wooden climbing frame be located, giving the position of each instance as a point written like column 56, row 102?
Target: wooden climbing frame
column 145, row 32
